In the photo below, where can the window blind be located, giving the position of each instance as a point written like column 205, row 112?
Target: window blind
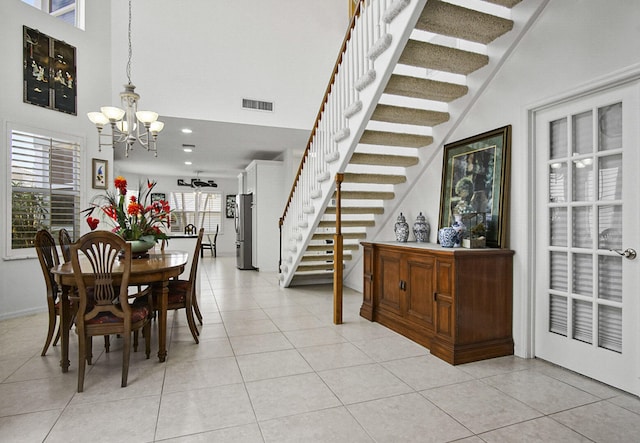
column 45, row 191
column 201, row 208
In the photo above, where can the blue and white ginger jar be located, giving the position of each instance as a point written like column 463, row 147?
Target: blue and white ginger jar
column 448, row 237
column 421, row 229
column 401, row 229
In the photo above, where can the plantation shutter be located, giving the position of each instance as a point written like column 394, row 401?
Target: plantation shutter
column 45, row 186
column 200, row 208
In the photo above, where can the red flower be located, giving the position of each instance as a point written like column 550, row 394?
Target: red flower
column 134, row 217
column 134, row 209
column 121, row 184
column 92, row 222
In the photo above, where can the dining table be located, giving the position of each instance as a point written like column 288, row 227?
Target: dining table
column 157, row 267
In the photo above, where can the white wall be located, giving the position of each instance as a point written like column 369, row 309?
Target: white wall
column 573, row 43
column 199, row 58
column 22, row 287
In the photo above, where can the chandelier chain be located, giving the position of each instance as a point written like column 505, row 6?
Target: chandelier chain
column 130, row 50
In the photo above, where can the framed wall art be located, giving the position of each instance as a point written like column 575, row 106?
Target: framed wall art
column 475, row 183
column 231, row 206
column 49, row 72
column 157, row 196
column 99, row 170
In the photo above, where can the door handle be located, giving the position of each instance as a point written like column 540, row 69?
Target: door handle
column 627, row 253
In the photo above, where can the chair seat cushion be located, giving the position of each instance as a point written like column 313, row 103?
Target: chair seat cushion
column 138, row 313
column 177, row 291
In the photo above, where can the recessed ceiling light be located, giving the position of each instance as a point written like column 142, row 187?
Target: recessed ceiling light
column 186, row 131
column 187, row 163
column 187, row 149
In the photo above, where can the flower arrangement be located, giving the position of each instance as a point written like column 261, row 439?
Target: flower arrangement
column 136, row 219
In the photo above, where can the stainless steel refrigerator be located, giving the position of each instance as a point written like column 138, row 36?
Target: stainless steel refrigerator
column 243, row 231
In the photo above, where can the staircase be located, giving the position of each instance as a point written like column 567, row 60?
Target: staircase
column 408, row 71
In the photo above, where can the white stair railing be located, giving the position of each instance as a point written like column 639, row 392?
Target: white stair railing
column 373, row 43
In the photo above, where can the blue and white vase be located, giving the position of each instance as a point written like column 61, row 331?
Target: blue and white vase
column 401, row 229
column 459, row 227
column 448, row 236
column 421, row 229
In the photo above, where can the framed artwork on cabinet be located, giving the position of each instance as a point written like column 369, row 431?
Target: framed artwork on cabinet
column 475, row 183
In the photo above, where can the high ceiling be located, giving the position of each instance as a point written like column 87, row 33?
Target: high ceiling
column 222, row 150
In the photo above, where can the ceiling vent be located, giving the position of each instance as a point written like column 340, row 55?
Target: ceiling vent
column 257, row 105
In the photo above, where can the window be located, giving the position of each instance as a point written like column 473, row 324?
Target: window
column 45, row 187
column 201, row 208
column 66, row 10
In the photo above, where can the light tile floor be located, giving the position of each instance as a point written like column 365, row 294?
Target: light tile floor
column 272, row 367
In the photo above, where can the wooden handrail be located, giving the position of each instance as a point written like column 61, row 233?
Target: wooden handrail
column 343, row 49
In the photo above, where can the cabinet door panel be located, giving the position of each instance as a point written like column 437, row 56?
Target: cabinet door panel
column 444, row 321
column 444, row 313
column 420, row 290
column 389, row 296
column 366, row 310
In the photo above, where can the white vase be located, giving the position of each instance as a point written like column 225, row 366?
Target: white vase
column 140, row 246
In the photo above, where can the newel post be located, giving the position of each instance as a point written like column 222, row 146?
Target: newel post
column 337, row 257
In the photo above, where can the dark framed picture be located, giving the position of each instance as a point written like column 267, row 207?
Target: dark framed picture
column 475, row 184
column 36, row 71
column 99, row 169
column 63, row 69
column 231, row 206
column 157, row 196
column 49, row 72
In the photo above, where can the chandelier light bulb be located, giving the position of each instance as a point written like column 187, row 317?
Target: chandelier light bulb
column 147, row 117
column 98, row 119
column 112, row 113
column 156, row 127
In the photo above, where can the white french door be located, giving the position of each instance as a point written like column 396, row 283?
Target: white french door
column 587, row 231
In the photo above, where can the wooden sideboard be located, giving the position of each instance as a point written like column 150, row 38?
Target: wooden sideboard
column 457, row 302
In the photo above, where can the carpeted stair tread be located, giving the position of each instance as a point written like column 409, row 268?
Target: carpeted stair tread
column 329, row 247
column 395, row 139
column 408, row 116
column 442, row 58
column 309, row 268
column 379, row 179
column 505, row 3
column 323, row 257
column 455, row 21
column 361, row 158
column 366, row 195
column 408, row 86
column 347, row 223
column 356, row 210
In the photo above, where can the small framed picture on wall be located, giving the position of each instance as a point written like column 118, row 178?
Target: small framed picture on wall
column 231, row 206
column 99, row 170
column 157, row 196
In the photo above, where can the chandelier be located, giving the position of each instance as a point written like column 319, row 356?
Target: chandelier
column 128, row 125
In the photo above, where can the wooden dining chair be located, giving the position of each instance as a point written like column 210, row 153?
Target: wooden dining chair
column 182, row 293
column 190, row 229
column 210, row 244
column 48, row 256
column 107, row 310
column 65, row 244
